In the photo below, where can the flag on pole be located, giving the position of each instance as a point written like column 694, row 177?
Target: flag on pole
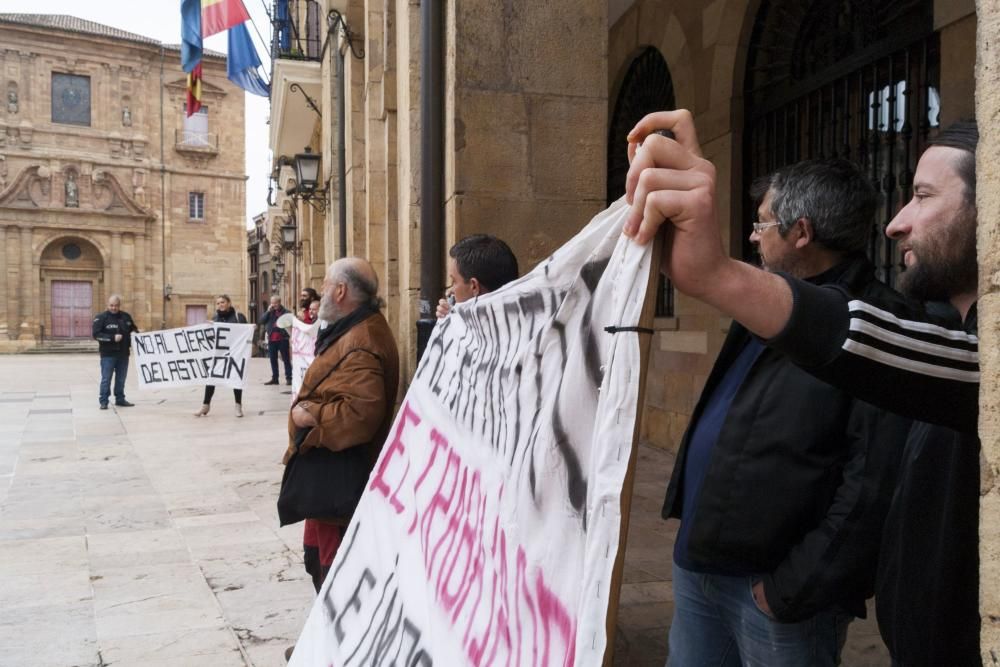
column 219, row 15
column 243, row 61
column 190, row 34
column 194, row 90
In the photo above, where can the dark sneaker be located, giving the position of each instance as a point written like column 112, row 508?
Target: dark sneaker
column 288, row 381
column 124, row 404
column 104, row 406
column 271, row 382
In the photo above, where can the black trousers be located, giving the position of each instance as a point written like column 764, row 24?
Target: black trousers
column 210, row 392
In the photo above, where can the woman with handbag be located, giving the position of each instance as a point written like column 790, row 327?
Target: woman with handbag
column 224, row 312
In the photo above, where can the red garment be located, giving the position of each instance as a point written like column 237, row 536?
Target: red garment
column 327, row 536
column 309, row 538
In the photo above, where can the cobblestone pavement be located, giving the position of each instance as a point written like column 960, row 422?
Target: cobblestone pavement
column 146, row 536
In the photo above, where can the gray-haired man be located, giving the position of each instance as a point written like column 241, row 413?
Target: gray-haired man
column 889, row 351
column 782, row 482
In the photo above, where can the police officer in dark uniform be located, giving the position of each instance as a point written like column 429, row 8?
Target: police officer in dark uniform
column 113, row 331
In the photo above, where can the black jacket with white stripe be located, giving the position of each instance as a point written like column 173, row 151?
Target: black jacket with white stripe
column 893, row 353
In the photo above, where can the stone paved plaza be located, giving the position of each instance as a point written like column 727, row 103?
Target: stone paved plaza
column 146, row 536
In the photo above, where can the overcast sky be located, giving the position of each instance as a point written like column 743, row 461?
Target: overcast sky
column 161, row 20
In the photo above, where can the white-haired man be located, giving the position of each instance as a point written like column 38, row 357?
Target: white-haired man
column 348, row 393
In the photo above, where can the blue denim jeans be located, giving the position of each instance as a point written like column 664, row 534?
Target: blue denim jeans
column 717, row 624
column 118, row 366
column 273, row 349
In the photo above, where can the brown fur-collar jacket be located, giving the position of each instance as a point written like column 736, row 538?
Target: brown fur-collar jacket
column 353, row 404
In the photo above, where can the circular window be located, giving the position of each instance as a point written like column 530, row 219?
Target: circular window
column 71, row 251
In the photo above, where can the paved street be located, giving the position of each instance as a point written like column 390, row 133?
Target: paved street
column 146, row 536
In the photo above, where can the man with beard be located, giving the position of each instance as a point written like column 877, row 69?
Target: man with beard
column 349, row 392
column 917, row 361
column 782, row 482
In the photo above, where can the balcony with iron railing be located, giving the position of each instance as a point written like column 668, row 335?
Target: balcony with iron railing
column 297, row 30
column 296, row 81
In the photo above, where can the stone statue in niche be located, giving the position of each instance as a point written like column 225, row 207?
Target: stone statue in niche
column 126, row 116
column 72, row 191
column 12, row 100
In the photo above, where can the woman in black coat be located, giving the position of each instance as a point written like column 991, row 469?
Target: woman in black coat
column 224, row 312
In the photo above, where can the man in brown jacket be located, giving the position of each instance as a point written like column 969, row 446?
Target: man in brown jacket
column 349, row 392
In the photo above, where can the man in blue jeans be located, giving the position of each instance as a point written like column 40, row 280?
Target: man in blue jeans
column 783, row 482
column 113, row 329
column 277, row 340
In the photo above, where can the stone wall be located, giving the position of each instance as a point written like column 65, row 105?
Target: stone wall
column 526, row 118
column 525, row 121
column 988, row 203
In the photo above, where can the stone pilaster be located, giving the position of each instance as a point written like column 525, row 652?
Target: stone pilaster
column 29, row 287
column 116, row 266
column 988, row 203
column 4, row 310
column 141, row 287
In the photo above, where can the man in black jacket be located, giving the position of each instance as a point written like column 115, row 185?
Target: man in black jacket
column 112, row 330
column 782, row 482
column 277, row 340
column 888, row 350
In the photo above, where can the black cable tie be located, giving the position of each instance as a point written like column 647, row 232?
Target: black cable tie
column 614, row 330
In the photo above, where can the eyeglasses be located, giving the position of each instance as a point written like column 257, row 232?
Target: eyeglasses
column 759, row 227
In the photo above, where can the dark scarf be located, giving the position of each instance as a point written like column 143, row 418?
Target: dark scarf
column 332, row 333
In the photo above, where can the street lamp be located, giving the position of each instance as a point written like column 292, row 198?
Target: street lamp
column 307, row 172
column 288, row 234
column 306, row 188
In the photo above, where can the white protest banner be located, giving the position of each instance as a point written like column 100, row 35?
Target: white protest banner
column 303, row 348
column 489, row 528
column 210, row 353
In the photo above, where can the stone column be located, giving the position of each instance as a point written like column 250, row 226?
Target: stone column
column 141, row 287
column 4, row 311
column 988, row 243
column 4, row 324
column 29, row 288
column 116, row 264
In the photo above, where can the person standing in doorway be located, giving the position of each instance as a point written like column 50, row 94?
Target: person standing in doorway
column 113, row 330
column 277, row 340
column 224, row 312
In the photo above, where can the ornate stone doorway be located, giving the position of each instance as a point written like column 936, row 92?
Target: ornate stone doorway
column 71, row 273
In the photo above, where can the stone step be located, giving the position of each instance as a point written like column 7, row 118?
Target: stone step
column 64, row 346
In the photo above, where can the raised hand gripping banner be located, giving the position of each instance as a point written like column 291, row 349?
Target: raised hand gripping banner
column 211, row 353
column 489, row 528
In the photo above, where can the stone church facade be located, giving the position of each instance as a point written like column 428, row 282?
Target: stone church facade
column 106, row 187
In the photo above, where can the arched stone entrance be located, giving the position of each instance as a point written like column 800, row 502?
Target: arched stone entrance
column 71, row 269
